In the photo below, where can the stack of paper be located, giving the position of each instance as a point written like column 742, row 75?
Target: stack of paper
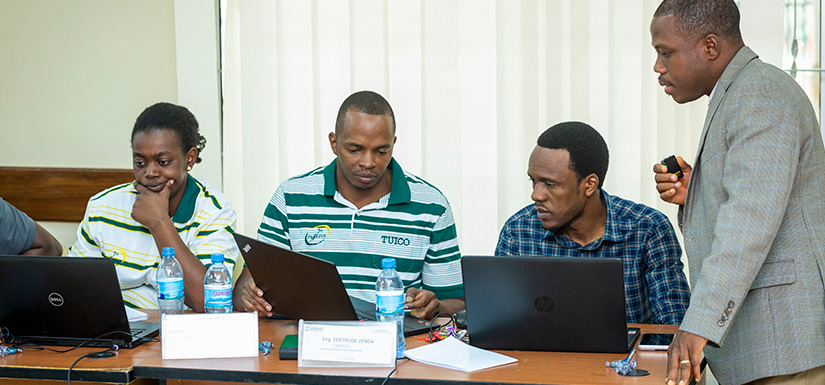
column 453, row 354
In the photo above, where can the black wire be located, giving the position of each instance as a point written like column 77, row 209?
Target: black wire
column 432, row 321
column 4, row 332
column 99, row 354
column 393, row 371
column 88, row 355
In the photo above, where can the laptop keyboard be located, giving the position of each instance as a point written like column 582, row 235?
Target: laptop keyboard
column 365, row 315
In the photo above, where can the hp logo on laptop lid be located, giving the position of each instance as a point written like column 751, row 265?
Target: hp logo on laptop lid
column 544, row 304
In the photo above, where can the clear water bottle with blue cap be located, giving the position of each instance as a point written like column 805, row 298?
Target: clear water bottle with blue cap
column 389, row 301
column 217, row 287
column 169, row 277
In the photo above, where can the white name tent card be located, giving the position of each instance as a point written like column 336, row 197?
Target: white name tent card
column 346, row 343
column 453, row 354
column 209, row 335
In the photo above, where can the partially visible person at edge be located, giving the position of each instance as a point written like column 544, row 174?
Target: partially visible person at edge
column 164, row 207
column 20, row 235
column 572, row 216
column 752, row 206
column 362, row 208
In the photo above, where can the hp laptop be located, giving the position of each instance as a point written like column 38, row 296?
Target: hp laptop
column 66, row 302
column 546, row 303
column 299, row 286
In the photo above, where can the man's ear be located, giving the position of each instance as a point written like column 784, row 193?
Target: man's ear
column 332, row 141
column 590, row 184
column 711, row 46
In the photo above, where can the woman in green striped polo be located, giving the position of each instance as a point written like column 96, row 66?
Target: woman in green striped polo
column 164, row 207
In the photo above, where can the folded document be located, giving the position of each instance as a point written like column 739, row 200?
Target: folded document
column 453, row 354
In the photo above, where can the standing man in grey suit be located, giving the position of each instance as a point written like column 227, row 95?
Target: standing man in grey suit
column 752, row 207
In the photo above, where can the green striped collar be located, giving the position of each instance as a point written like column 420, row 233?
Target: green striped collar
column 399, row 191
column 186, row 208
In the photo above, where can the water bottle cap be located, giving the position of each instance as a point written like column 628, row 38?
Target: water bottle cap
column 168, row 251
column 388, row 263
column 217, row 257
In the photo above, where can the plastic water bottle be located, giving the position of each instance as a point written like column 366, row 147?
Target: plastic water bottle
column 217, row 287
column 170, row 283
column 389, row 301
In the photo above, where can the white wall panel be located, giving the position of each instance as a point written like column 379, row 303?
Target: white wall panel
column 478, row 124
column 441, row 99
column 405, row 58
column 473, row 84
column 333, row 54
column 368, row 34
column 294, row 23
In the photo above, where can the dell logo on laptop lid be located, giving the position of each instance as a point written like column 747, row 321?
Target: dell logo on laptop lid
column 56, row 299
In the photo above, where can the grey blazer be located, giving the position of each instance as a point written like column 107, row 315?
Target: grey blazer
column 754, row 227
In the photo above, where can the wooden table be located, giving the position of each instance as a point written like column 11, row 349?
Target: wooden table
column 532, row 367
column 45, row 365
column 144, row 363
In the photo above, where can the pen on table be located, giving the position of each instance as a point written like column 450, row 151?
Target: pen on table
column 630, row 355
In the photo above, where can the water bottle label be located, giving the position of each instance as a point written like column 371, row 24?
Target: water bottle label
column 217, row 296
column 391, row 302
column 170, row 289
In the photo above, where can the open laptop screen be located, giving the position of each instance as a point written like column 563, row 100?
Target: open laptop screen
column 546, row 303
column 300, row 286
column 63, row 301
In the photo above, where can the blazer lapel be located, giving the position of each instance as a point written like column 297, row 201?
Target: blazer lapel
column 742, row 58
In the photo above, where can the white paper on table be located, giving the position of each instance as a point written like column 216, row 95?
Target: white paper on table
column 453, row 354
column 135, row 315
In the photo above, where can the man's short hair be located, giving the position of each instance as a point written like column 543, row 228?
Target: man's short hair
column 366, row 102
column 699, row 18
column 587, row 149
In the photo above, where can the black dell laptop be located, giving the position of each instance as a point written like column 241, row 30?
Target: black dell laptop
column 66, row 301
column 546, row 303
column 299, row 286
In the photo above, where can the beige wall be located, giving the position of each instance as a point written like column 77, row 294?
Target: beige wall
column 74, row 75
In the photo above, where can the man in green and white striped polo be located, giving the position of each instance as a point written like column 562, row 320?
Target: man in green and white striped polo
column 362, row 208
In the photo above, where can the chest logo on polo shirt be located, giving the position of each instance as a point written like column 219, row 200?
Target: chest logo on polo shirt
column 395, row 240
column 317, row 234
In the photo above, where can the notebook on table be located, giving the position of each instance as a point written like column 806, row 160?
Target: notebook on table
column 299, row 286
column 546, row 304
column 65, row 302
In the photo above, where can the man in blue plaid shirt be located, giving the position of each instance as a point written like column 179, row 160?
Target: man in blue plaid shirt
column 574, row 217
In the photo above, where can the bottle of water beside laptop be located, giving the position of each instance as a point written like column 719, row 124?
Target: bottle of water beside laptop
column 170, row 283
column 389, row 300
column 217, row 286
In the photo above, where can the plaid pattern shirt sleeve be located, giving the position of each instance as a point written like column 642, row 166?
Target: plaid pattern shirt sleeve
column 669, row 293
column 656, row 290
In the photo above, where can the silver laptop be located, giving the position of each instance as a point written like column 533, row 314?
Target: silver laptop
column 546, row 303
column 299, row 286
column 66, row 302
